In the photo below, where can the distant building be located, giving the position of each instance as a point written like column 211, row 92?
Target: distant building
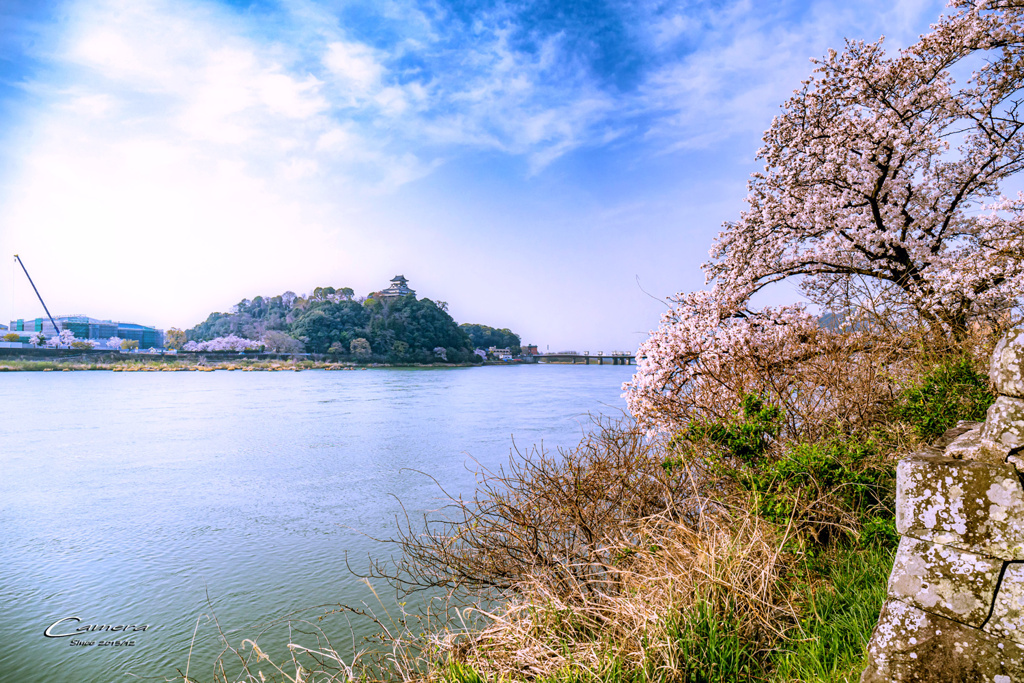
column 529, row 350
column 399, row 287
column 85, row 327
column 500, row 354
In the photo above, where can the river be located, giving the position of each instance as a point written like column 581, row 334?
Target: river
column 152, row 499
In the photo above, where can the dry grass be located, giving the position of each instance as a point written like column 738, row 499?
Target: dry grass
column 727, row 563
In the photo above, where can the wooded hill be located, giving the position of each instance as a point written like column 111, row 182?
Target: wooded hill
column 329, row 320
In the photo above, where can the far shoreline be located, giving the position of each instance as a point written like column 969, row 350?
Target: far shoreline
column 142, row 363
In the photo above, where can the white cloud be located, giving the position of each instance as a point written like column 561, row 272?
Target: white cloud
column 749, row 61
column 356, row 66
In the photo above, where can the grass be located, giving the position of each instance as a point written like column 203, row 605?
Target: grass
column 836, row 621
column 844, row 591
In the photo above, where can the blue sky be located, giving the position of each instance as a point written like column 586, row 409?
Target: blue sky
column 557, row 167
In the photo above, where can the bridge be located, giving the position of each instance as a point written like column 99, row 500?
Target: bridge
column 571, row 357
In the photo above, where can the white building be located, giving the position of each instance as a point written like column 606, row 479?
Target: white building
column 500, row 354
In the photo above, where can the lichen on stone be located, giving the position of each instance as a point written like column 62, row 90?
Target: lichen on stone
column 945, row 581
column 1003, row 432
column 966, row 504
column 1007, row 368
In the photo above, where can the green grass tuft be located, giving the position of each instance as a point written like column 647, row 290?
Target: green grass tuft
column 829, row 644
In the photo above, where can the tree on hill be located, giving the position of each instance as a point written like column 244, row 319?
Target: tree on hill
column 328, row 323
column 484, row 337
column 330, row 320
column 175, row 338
column 253, row 318
column 419, row 323
column 280, row 342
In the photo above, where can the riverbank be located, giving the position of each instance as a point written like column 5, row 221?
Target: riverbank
column 731, row 551
column 169, row 364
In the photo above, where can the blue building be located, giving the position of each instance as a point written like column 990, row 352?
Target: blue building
column 85, row 327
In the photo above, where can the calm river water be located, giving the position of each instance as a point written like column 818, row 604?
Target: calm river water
column 155, row 498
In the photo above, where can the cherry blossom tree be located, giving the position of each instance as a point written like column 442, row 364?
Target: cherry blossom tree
column 881, row 192
column 280, row 342
column 883, row 170
column 230, row 342
column 62, row 340
column 114, row 343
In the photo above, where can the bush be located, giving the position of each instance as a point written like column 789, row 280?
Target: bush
column 828, row 488
column 824, row 488
column 951, row 392
column 748, row 436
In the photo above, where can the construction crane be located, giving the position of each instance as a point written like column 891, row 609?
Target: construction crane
column 20, row 263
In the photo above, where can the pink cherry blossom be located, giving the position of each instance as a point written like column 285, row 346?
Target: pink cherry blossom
column 881, row 195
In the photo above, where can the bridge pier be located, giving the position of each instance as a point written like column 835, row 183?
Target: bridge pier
column 584, row 358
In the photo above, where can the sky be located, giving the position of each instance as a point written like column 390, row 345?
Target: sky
column 556, row 167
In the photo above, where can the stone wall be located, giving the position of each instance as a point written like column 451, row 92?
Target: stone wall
column 955, row 608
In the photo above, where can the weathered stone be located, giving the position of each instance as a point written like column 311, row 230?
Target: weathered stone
column 968, row 446
column 953, row 433
column 910, row 645
column 1007, row 619
column 1004, row 426
column 945, row 581
column 967, row 504
column 1007, row 368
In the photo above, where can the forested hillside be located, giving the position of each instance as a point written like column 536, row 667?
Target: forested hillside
column 330, row 320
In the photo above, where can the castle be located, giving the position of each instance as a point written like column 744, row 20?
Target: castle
column 399, row 287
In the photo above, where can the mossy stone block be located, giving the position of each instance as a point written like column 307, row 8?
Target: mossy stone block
column 946, row 581
column 910, row 645
column 968, row 504
column 968, row 446
column 1007, row 368
column 1004, row 426
column 1007, row 619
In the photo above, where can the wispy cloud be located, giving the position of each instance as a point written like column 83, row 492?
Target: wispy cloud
column 443, row 84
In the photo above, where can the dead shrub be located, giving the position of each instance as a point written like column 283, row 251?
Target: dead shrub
column 725, row 569
column 596, row 552
column 556, row 518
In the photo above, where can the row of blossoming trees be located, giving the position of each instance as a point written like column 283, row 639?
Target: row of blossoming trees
column 66, row 339
column 881, row 196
